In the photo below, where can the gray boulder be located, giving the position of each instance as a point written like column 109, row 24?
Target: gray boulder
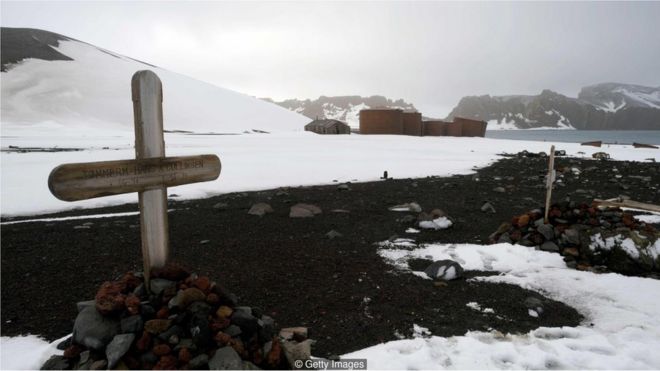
column 260, row 209
column 226, row 358
column 304, row 211
column 94, row 330
column 117, row 348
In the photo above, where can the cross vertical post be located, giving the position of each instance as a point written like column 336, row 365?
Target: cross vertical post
column 147, row 93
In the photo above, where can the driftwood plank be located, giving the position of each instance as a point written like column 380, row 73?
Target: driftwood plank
column 627, row 203
column 80, row 181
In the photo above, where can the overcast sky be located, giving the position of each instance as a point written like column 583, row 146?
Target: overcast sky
column 428, row 53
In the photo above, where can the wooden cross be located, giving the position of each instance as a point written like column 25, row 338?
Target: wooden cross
column 149, row 174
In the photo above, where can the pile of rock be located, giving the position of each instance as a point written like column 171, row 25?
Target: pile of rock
column 184, row 321
column 589, row 238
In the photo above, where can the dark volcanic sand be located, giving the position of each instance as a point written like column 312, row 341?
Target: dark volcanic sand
column 291, row 270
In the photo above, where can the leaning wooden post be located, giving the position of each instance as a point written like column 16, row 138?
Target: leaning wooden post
column 549, row 181
column 149, row 143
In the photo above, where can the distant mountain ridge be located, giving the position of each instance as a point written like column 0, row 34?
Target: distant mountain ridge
column 343, row 108
column 607, row 106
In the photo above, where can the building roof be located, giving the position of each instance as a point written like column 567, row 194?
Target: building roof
column 326, row 123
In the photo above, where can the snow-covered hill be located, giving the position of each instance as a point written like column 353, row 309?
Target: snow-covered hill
column 612, row 97
column 55, row 84
column 343, row 108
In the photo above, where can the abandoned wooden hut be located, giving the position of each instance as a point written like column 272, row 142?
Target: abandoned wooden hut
column 328, row 126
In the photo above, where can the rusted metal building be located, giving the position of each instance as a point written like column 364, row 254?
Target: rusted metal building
column 412, row 123
column 381, row 121
column 454, row 129
column 471, row 128
column 327, row 126
column 435, row 128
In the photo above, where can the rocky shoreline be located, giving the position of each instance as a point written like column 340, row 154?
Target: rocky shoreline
column 321, row 269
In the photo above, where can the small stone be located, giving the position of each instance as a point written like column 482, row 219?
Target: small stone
column 488, row 207
column 167, row 362
column 185, row 355
column 56, row 362
column 171, row 271
column 343, row 187
column 499, row 190
column 72, row 351
column 260, row 209
column 549, row 246
column 233, row 331
column 117, row 348
column 333, row 234
column 224, row 312
column 289, row 333
column 143, row 342
column 222, row 338
column 304, row 211
column 571, row 236
column 101, row 364
column 185, row 297
column 199, row 362
column 225, row 358
column 109, row 298
column 158, row 285
column 203, row 283
column 571, row 251
column 161, row 350
column 546, row 230
column 440, row 284
column 132, row 303
column 445, row 270
column 156, row 326
column 409, row 207
column 132, row 324
column 221, row 206
column 523, row 220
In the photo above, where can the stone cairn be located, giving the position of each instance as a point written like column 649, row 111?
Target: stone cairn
column 186, row 321
column 588, row 238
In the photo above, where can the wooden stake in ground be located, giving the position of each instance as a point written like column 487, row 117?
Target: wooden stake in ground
column 550, row 179
column 149, row 174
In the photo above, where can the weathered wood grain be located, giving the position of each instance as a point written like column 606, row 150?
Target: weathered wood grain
column 81, row 181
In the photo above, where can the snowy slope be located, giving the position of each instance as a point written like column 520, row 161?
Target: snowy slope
column 91, row 94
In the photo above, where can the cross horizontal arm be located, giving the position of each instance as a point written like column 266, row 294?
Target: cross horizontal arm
column 81, row 181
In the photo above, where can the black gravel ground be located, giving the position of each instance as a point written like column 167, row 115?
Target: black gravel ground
column 293, row 272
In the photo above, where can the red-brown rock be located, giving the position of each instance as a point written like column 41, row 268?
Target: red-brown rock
column 218, row 324
column 203, row 283
column 572, row 251
column 161, row 349
column 224, row 312
column 132, row 303
column 143, row 342
column 166, row 363
column 156, row 326
column 109, row 298
column 523, row 220
column 73, row 351
column 130, row 281
column 222, row 339
column 274, row 357
column 184, row 355
column 163, row 313
column 212, row 298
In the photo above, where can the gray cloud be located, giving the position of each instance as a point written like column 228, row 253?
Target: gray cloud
column 429, row 53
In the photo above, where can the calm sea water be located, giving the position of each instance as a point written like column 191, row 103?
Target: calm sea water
column 579, row 136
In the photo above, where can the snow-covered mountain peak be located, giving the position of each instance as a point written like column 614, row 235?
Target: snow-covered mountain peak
column 612, row 97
